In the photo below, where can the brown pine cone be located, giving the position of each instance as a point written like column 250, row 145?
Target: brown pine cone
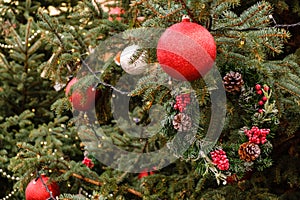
column 249, row 151
column 182, row 122
column 233, row 82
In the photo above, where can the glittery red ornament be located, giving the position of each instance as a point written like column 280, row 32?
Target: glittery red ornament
column 36, row 190
column 186, row 50
column 81, row 100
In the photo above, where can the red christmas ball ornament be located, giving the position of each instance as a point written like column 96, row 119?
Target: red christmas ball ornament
column 36, row 189
column 115, row 13
column 186, row 50
column 145, row 173
column 81, row 100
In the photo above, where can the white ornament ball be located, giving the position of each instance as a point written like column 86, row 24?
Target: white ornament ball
column 126, row 58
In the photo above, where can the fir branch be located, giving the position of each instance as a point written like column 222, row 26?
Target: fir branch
column 136, row 3
column 160, row 15
column 98, row 183
column 101, row 82
column 190, row 13
column 43, row 17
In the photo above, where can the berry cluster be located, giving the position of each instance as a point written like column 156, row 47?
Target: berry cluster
column 219, row 158
column 260, row 91
column 182, row 101
column 256, row 135
column 88, row 162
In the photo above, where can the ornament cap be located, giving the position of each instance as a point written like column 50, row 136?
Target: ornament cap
column 186, row 18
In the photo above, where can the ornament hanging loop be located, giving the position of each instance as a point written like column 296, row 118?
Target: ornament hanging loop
column 185, row 18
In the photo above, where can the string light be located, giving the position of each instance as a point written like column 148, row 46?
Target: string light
column 9, row 195
column 32, row 37
column 85, row 193
column 8, row 176
column 283, row 25
column 4, row 174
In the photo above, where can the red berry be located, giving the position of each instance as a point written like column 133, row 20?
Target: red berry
column 259, row 92
column 257, row 87
column 266, row 88
column 264, row 98
column 260, row 110
column 261, row 103
column 181, row 109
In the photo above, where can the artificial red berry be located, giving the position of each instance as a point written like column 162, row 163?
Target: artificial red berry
column 257, row 87
column 266, row 88
column 259, row 92
column 264, row 98
column 261, row 103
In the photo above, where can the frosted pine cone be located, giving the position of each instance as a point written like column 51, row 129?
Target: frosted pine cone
column 233, row 82
column 182, row 122
column 249, row 151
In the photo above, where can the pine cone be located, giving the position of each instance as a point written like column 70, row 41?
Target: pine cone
column 249, row 151
column 182, row 122
column 233, row 82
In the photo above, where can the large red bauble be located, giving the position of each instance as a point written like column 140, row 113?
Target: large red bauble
column 81, row 100
column 186, row 50
column 36, row 190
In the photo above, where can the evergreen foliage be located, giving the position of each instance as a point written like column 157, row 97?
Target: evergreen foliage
column 45, row 44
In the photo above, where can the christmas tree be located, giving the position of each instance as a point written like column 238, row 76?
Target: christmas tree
column 183, row 99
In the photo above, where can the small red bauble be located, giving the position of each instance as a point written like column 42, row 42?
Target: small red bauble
column 145, row 173
column 186, row 50
column 36, row 190
column 81, row 100
column 142, row 174
column 115, row 13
